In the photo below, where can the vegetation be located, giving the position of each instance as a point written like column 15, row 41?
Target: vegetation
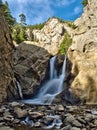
column 84, row 2
column 4, row 8
column 36, row 26
column 65, row 43
column 70, row 24
column 18, row 33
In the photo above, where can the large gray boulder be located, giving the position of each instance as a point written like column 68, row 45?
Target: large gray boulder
column 30, row 66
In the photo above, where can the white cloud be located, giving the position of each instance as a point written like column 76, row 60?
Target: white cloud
column 77, row 10
column 38, row 11
column 62, row 2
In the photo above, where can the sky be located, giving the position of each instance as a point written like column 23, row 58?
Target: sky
column 38, row 11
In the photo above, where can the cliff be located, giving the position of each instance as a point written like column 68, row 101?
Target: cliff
column 6, row 59
column 83, row 55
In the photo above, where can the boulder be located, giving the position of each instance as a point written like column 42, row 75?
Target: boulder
column 31, row 63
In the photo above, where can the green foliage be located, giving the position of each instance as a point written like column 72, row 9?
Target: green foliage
column 36, row 26
column 4, row 8
column 65, row 43
column 18, row 33
column 84, row 2
column 70, row 24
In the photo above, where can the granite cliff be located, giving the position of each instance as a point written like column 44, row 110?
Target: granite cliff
column 83, row 55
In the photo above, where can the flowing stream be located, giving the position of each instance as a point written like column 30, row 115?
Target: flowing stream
column 51, row 88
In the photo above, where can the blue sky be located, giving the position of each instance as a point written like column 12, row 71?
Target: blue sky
column 38, row 11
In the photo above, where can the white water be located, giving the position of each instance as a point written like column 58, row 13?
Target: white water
column 19, row 89
column 51, row 88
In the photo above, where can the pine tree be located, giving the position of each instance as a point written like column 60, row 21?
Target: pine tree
column 22, row 19
column 4, row 8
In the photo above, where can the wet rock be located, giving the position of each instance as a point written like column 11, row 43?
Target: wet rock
column 88, row 117
column 69, row 118
column 77, row 123
column 81, row 120
column 5, row 128
column 68, row 127
column 14, row 104
column 20, row 113
column 75, row 128
column 95, row 122
column 35, row 115
column 94, row 112
column 59, row 108
column 37, row 124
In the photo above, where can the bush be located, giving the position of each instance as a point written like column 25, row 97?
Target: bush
column 84, row 2
column 18, row 33
column 36, row 26
column 65, row 43
column 70, row 24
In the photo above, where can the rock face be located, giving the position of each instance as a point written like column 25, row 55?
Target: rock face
column 83, row 55
column 6, row 59
column 31, row 63
column 51, row 35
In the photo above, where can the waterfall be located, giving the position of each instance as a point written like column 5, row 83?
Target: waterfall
column 19, row 89
column 53, row 72
column 52, row 87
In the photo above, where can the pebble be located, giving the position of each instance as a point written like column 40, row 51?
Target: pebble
column 14, row 104
column 70, row 118
column 68, row 127
column 20, row 113
column 77, row 123
column 35, row 115
column 59, row 108
column 53, row 117
column 75, row 128
column 5, row 128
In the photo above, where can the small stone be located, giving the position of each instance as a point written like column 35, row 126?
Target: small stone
column 16, row 121
column 5, row 128
column 37, row 124
column 77, row 123
column 1, row 110
column 81, row 120
column 20, row 113
column 35, row 115
column 95, row 122
column 2, row 123
column 70, row 118
column 94, row 112
column 75, row 128
column 68, row 127
column 88, row 117
column 14, row 104
column 84, row 129
column 59, row 108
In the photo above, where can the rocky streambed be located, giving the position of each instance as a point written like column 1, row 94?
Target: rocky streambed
column 19, row 116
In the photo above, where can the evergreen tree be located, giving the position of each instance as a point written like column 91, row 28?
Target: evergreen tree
column 22, row 19
column 4, row 8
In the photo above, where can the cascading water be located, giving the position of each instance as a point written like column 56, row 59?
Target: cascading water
column 52, row 87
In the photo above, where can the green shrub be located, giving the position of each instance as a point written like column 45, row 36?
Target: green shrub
column 36, row 26
column 70, row 24
column 18, row 33
column 65, row 43
column 84, row 2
